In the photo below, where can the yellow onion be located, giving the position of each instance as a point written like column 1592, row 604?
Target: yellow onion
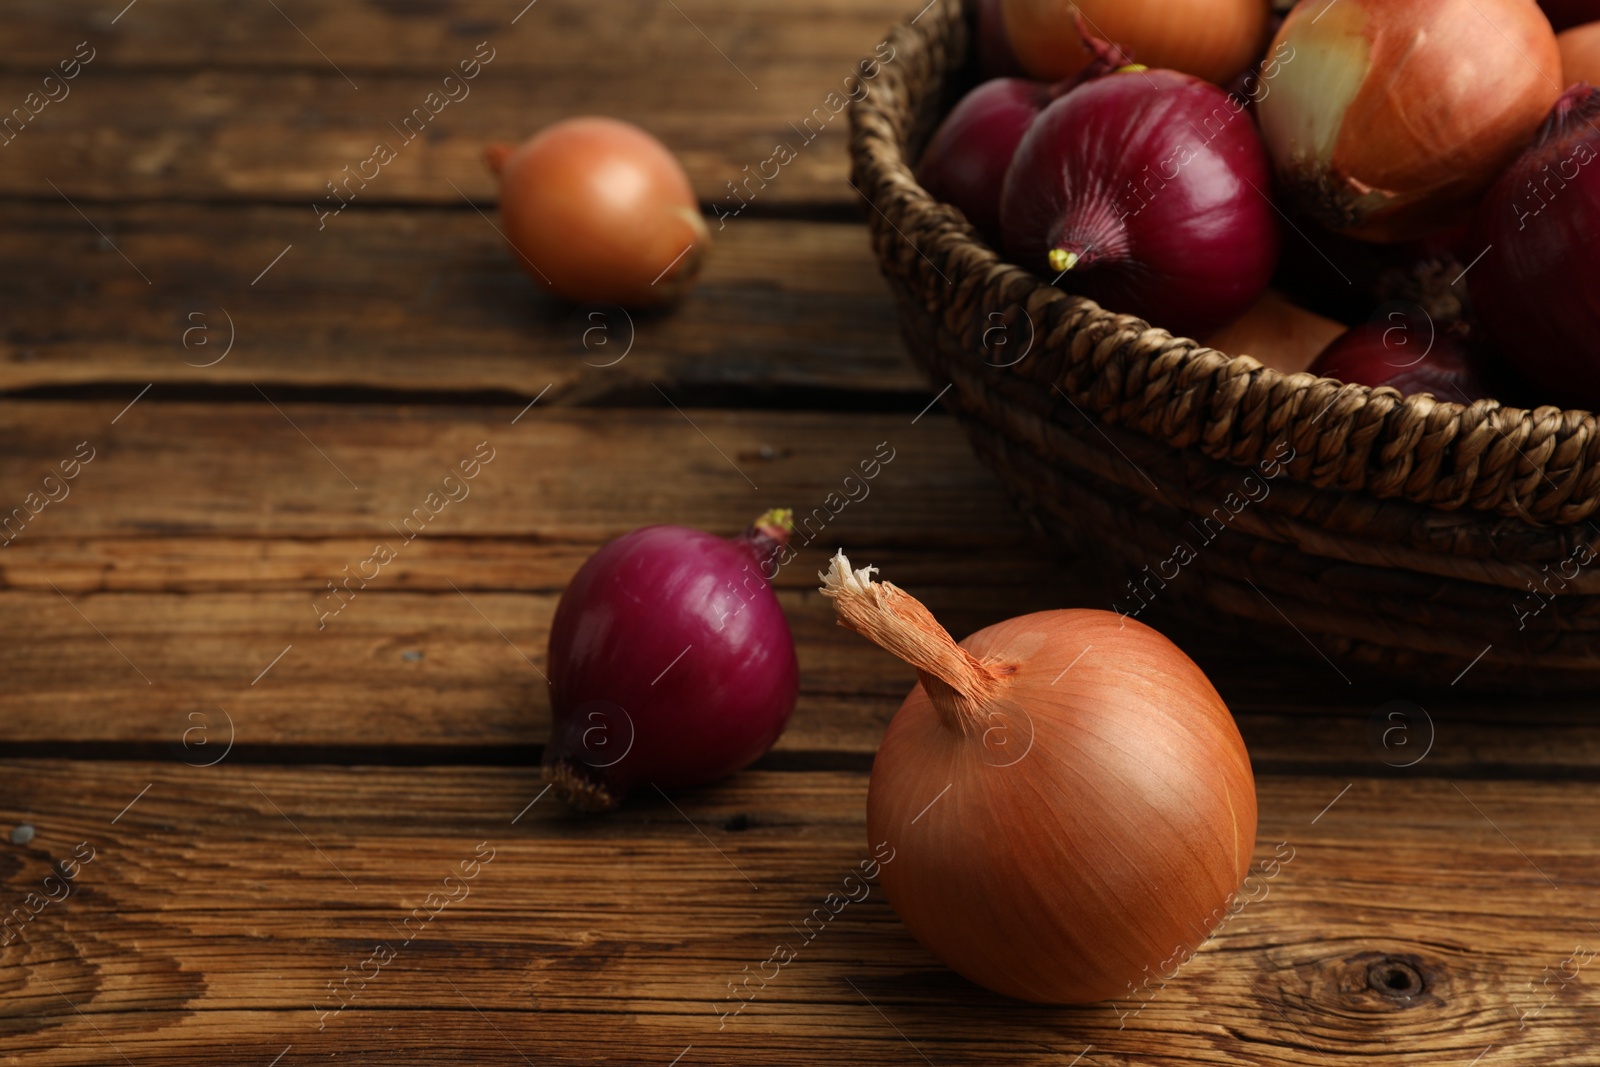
column 1211, row 39
column 598, row 209
column 1580, row 54
column 1388, row 120
column 1277, row 334
column 1069, row 801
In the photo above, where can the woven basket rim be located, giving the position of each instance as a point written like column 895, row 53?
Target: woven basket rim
column 1541, row 466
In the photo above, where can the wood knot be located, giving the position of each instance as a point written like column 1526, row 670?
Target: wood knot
column 1355, row 998
column 1394, row 977
column 1389, row 981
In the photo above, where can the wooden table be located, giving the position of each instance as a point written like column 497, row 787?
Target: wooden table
column 253, row 809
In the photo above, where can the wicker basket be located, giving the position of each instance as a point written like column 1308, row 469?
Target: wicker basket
column 1386, row 533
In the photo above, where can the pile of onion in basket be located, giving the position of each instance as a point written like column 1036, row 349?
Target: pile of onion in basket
column 1389, row 194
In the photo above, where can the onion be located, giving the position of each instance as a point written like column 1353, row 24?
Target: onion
column 1580, row 54
column 1565, row 14
column 670, row 662
column 995, row 57
column 1278, row 334
column 1406, row 350
column 1392, row 118
column 1147, row 191
column 1069, row 800
column 597, row 209
column 1449, row 244
column 1254, row 81
column 1211, row 39
column 966, row 159
column 1535, row 290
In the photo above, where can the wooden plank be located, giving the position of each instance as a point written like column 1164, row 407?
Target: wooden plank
column 180, row 100
column 403, row 300
column 223, row 902
column 200, row 537
column 443, row 671
column 400, row 671
column 173, row 486
column 190, row 565
column 418, row 36
column 266, row 469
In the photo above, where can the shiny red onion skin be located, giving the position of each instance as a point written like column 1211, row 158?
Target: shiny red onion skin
column 966, row 159
column 1537, row 290
column 1413, row 356
column 1195, row 248
column 618, row 641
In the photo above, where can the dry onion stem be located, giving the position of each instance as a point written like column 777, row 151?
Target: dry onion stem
column 895, row 620
column 1070, row 802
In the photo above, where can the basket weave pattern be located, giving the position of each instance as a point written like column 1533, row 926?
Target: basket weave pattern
column 1398, row 530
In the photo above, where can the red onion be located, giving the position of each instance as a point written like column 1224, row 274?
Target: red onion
column 1147, row 191
column 1406, row 350
column 965, row 162
column 671, row 663
column 1565, row 14
column 1537, row 288
column 966, row 159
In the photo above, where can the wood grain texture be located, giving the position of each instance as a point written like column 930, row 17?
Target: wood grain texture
column 423, row 669
column 261, row 468
column 228, row 899
column 441, row 670
column 261, row 104
column 424, row 301
column 201, row 539
column 371, row 758
column 418, row 36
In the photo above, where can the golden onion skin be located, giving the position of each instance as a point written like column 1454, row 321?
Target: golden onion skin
column 598, row 209
column 1388, row 119
column 1101, row 831
column 1212, row 39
